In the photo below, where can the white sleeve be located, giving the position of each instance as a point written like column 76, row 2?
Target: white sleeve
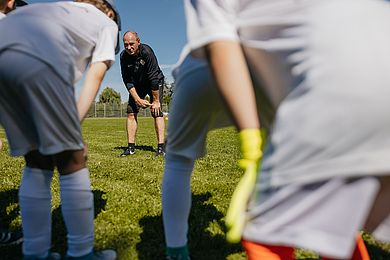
column 210, row 20
column 105, row 46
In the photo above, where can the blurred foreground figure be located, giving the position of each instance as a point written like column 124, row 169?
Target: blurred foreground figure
column 9, row 237
column 315, row 74
column 44, row 50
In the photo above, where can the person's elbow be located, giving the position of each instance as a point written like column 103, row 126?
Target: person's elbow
column 99, row 69
column 129, row 86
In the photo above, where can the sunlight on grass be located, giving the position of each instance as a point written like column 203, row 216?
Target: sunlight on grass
column 127, row 194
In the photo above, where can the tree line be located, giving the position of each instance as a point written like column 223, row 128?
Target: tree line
column 110, row 104
column 110, row 96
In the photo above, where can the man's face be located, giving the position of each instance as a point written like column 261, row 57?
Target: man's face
column 131, row 44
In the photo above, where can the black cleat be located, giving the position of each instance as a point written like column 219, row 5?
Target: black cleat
column 8, row 238
column 160, row 151
column 167, row 257
column 128, row 151
column 107, row 254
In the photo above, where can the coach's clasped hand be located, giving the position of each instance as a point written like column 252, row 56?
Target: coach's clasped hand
column 251, row 141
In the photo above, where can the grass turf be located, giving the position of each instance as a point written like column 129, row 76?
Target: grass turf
column 127, row 195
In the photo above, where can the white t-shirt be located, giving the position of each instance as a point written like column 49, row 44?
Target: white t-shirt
column 258, row 25
column 302, row 55
column 66, row 35
column 240, row 20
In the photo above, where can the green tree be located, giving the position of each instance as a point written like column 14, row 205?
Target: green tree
column 168, row 91
column 109, row 95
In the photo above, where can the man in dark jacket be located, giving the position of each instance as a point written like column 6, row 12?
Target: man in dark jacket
column 142, row 76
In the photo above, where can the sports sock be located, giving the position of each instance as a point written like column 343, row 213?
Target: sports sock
column 77, row 210
column 176, row 209
column 35, row 207
column 256, row 251
column 131, row 145
column 179, row 253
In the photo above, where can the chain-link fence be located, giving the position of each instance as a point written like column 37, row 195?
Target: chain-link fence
column 117, row 110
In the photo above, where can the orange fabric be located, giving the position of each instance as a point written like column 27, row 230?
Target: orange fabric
column 360, row 252
column 256, row 251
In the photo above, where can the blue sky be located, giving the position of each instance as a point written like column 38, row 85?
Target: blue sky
column 159, row 23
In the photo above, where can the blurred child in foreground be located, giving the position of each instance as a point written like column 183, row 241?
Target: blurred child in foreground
column 45, row 49
column 316, row 75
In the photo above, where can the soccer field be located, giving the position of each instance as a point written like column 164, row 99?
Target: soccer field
column 127, row 195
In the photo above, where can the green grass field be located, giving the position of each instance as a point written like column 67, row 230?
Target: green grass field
column 127, row 195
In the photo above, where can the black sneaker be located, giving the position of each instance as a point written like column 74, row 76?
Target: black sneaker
column 107, row 254
column 51, row 256
column 160, row 151
column 8, row 238
column 128, row 151
column 167, row 257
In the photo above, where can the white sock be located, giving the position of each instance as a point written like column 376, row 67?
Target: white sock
column 35, row 207
column 77, row 210
column 176, row 199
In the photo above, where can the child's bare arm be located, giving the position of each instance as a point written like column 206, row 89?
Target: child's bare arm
column 234, row 83
column 231, row 73
column 91, row 86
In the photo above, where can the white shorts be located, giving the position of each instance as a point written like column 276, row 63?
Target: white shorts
column 196, row 109
column 324, row 217
column 37, row 107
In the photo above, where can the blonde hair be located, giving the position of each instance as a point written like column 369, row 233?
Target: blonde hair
column 101, row 5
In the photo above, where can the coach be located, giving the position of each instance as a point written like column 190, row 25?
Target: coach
column 142, row 76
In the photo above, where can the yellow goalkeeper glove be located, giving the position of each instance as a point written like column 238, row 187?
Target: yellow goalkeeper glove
column 251, row 141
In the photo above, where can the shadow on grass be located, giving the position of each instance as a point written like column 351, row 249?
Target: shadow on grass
column 10, row 197
column 203, row 245
column 373, row 247
column 7, row 199
column 147, row 148
column 9, row 211
column 58, row 225
column 376, row 252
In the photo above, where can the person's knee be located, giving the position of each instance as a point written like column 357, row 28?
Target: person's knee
column 131, row 116
column 157, row 115
column 159, row 120
column 70, row 161
column 35, row 159
column 178, row 163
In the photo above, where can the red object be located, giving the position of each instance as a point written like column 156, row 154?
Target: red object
column 256, row 251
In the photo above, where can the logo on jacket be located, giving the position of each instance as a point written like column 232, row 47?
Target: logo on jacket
column 142, row 62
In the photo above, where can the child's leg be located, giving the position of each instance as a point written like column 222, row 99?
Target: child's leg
column 380, row 211
column 255, row 251
column 76, row 202
column 176, row 202
column 35, row 205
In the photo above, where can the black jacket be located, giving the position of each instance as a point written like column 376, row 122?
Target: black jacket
column 142, row 71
